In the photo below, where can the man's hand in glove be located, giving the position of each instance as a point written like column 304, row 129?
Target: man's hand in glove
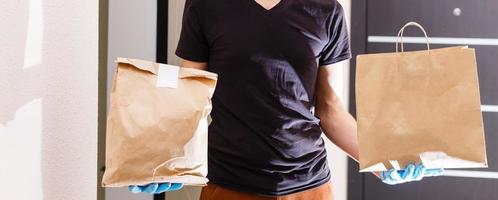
column 155, row 188
column 410, row 173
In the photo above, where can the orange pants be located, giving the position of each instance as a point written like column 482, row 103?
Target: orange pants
column 215, row 192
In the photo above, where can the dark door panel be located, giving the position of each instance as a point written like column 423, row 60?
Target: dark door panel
column 478, row 18
column 491, row 135
column 487, row 64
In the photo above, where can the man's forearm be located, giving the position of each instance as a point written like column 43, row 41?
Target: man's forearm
column 336, row 122
column 340, row 128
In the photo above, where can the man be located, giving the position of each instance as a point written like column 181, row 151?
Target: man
column 274, row 60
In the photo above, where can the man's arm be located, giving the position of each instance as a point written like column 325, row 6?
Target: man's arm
column 192, row 64
column 336, row 122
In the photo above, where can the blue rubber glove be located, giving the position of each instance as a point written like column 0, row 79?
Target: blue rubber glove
column 410, row 173
column 155, row 188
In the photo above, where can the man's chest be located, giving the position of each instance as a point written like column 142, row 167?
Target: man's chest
column 241, row 30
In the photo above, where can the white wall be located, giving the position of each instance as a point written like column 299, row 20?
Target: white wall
column 48, row 101
column 337, row 158
column 132, row 34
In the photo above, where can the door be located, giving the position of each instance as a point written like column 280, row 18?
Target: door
column 449, row 23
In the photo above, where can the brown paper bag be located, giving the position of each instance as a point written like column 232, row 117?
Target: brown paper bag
column 157, row 124
column 420, row 106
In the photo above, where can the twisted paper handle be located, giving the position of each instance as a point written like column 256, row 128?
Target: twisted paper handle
column 401, row 32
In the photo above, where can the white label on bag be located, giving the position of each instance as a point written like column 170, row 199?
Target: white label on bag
column 167, row 76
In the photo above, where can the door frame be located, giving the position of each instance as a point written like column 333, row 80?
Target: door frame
column 102, row 93
column 162, row 46
column 359, row 32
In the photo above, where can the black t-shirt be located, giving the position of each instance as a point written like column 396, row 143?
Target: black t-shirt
column 264, row 138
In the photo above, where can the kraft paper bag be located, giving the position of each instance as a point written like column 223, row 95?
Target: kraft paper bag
column 157, row 124
column 420, row 106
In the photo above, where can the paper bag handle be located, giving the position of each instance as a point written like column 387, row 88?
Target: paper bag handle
column 401, row 32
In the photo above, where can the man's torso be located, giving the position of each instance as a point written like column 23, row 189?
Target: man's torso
column 263, row 137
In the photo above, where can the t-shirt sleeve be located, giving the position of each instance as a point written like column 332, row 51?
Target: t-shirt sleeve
column 338, row 47
column 192, row 45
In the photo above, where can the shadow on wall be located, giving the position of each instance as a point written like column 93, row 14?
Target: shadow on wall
column 36, row 141
column 22, row 102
